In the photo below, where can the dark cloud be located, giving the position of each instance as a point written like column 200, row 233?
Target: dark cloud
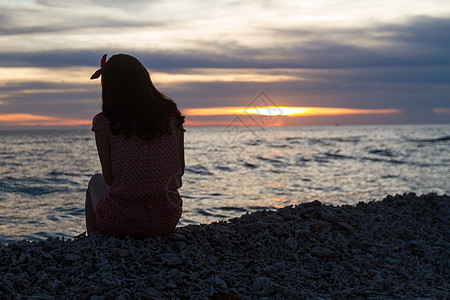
column 52, row 17
column 302, row 93
column 158, row 60
column 418, row 43
column 53, row 99
column 421, row 32
column 51, row 59
column 104, row 23
column 36, row 85
column 423, row 41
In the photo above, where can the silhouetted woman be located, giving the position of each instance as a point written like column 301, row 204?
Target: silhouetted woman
column 139, row 136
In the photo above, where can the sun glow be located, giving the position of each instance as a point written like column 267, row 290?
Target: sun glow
column 284, row 111
column 276, row 111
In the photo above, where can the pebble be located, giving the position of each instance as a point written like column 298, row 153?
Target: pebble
column 152, row 293
column 397, row 248
column 263, row 286
column 122, row 252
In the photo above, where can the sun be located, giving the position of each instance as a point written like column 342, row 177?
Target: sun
column 275, row 111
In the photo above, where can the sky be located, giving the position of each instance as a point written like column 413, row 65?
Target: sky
column 309, row 62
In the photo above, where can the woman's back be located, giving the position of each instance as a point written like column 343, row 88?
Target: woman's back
column 139, row 136
column 142, row 167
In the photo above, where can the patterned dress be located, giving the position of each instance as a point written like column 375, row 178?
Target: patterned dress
column 143, row 200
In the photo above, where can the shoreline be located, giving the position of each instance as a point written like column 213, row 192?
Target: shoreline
column 397, row 247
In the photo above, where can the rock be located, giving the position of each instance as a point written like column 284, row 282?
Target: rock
column 151, row 293
column 322, row 252
column 292, row 243
column 263, row 286
column 72, row 257
column 177, row 237
column 56, row 284
column 219, row 282
column 122, row 252
column 224, row 296
column 345, row 226
column 171, row 259
column 325, row 215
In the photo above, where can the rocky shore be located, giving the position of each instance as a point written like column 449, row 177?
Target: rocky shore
column 395, row 248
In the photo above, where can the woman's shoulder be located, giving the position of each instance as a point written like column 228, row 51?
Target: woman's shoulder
column 100, row 123
column 100, row 117
column 176, row 123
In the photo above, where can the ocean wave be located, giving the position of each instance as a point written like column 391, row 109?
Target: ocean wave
column 440, row 139
column 274, row 161
column 223, row 168
column 384, row 152
column 249, row 165
column 198, row 169
column 28, row 186
column 337, row 156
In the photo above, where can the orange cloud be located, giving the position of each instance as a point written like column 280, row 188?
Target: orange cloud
column 190, row 122
column 441, row 110
column 38, row 120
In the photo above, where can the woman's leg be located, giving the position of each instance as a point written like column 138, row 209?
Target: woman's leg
column 90, row 215
column 97, row 188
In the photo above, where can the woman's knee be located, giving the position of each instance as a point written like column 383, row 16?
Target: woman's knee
column 97, row 188
column 96, row 180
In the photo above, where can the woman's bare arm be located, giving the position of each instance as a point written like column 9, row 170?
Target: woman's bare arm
column 104, row 153
column 181, row 149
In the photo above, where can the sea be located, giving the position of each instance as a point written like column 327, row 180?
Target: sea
column 230, row 171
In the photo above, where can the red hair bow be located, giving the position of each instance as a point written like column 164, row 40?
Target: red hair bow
column 99, row 71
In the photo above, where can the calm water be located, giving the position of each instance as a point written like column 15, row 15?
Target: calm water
column 229, row 171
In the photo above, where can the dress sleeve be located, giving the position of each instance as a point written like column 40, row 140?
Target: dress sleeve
column 176, row 124
column 100, row 124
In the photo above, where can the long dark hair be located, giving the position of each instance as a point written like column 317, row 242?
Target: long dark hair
column 131, row 102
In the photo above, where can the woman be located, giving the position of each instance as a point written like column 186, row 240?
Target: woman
column 139, row 137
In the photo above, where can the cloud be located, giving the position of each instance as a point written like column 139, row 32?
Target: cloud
column 51, row 59
column 82, row 17
column 38, row 120
column 51, row 99
column 422, row 41
column 419, row 41
column 337, row 93
column 441, row 110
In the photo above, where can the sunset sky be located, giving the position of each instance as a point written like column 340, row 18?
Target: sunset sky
column 310, row 62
